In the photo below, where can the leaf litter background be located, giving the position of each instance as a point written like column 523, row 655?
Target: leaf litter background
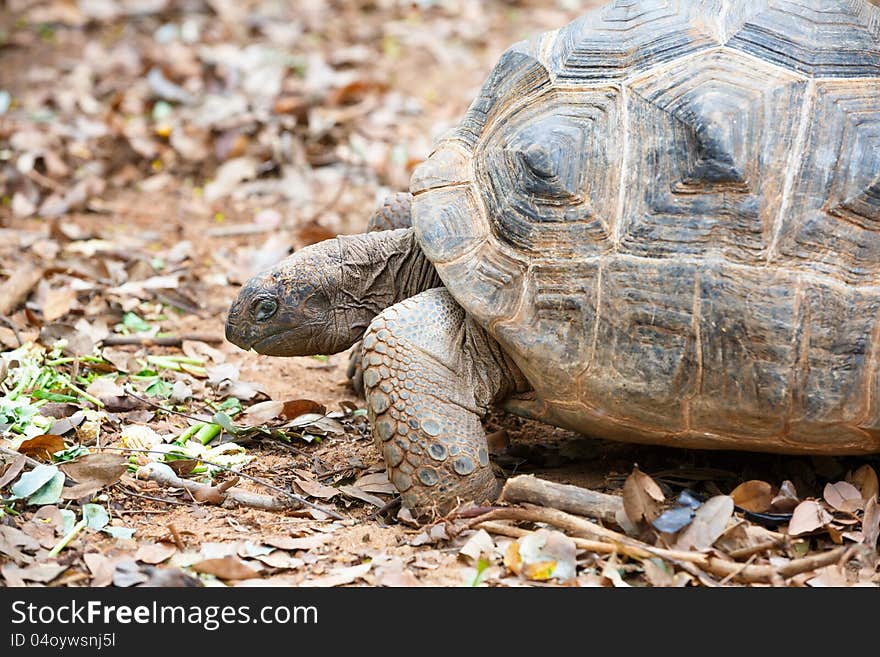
column 153, row 155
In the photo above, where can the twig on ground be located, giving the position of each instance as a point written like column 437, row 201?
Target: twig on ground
column 390, row 506
column 166, row 477
column 165, row 341
column 151, row 498
column 256, row 480
column 640, row 550
column 175, row 536
column 238, row 230
column 163, row 408
column 565, row 497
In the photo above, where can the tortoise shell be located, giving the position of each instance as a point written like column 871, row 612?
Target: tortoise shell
column 667, row 213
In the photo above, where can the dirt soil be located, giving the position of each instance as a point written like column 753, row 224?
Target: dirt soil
column 117, row 172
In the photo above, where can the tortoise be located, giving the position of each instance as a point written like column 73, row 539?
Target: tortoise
column 658, row 224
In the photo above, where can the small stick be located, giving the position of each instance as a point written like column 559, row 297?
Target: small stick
column 732, row 575
column 168, row 478
column 641, row 550
column 178, row 541
column 565, row 497
column 390, row 506
column 257, row 480
column 165, row 341
column 240, row 229
column 162, row 408
column 746, row 552
column 127, row 492
column 18, row 286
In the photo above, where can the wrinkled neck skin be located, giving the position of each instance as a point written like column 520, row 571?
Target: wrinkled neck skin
column 322, row 298
column 377, row 270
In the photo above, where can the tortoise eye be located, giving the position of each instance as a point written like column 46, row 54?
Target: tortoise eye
column 265, row 308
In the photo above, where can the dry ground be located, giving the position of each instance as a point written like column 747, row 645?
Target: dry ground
column 119, row 169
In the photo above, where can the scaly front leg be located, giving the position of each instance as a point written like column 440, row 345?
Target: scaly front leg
column 430, row 374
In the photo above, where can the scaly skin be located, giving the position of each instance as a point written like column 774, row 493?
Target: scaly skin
column 430, row 374
column 395, row 212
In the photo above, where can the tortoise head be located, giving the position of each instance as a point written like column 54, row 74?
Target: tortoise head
column 321, row 299
column 291, row 309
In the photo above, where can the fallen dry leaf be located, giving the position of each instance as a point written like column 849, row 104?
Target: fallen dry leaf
column 844, row 497
column 42, row 447
column 808, row 517
column 153, row 553
column 316, row 489
column 339, row 576
column 13, row 470
column 294, row 408
column 101, row 568
column 786, row 499
column 753, row 495
column 709, row 523
column 227, row 568
column 478, row 545
column 363, row 496
column 865, row 479
column 641, row 497
column 871, row 523
column 93, row 472
column 43, row 572
column 303, row 543
column 376, row 482
column 542, row 555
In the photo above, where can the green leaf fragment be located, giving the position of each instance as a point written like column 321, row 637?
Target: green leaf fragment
column 118, row 532
column 50, row 492
column 96, row 516
column 224, row 421
column 30, row 482
column 135, row 322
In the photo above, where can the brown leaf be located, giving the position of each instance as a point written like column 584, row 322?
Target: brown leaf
column 13, row 470
column 786, row 499
column 641, row 497
column 754, row 495
column 316, row 489
column 42, row 447
column 153, row 553
column 865, row 479
column 398, row 577
column 844, row 497
column 708, row 524
column 182, row 467
column 58, row 303
column 227, row 568
column 261, row 413
column 359, row 494
column 340, row 576
column 871, row 523
column 301, row 543
column 101, row 568
column 101, row 469
column 808, row 517
column 296, row 407
column 376, row 482
column 43, row 572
